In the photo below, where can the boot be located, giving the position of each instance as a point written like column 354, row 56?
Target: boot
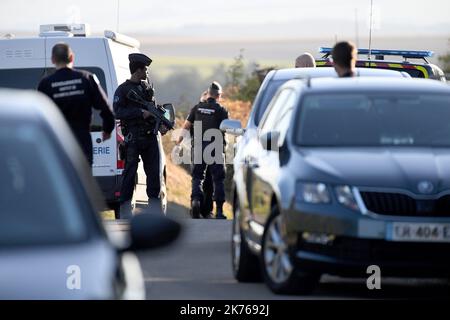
column 219, row 211
column 125, row 210
column 196, row 207
column 209, row 215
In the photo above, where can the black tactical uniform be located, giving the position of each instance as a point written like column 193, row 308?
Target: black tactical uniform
column 208, row 185
column 139, row 134
column 211, row 114
column 76, row 92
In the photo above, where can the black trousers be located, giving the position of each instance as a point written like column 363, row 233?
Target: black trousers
column 218, row 178
column 85, row 141
column 147, row 147
column 208, row 192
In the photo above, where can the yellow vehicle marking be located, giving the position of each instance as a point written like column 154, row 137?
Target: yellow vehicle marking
column 424, row 70
column 391, row 65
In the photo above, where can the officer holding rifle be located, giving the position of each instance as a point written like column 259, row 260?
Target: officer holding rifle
column 135, row 107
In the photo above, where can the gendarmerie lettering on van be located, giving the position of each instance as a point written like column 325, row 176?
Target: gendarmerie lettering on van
column 25, row 61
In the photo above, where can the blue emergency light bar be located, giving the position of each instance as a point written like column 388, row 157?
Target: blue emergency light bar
column 377, row 52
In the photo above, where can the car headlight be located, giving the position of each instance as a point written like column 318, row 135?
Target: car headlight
column 344, row 195
column 312, row 193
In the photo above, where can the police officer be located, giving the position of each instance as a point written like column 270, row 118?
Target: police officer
column 208, row 185
column 305, row 60
column 344, row 58
column 205, row 116
column 140, row 139
column 75, row 92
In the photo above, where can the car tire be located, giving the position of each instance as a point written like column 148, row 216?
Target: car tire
column 244, row 263
column 279, row 272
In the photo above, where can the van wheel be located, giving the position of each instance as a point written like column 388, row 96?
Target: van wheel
column 279, row 271
column 244, row 263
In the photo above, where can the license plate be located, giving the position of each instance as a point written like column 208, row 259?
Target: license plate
column 419, row 232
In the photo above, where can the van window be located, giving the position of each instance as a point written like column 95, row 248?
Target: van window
column 414, row 73
column 21, row 78
column 97, row 71
column 29, row 79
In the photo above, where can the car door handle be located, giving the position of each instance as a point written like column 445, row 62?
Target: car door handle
column 251, row 162
column 254, row 165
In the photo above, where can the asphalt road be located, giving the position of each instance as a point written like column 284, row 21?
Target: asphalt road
column 198, row 266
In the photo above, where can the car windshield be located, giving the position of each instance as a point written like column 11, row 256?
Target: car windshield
column 270, row 91
column 37, row 204
column 374, row 120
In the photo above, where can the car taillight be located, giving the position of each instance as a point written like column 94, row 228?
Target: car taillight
column 120, row 164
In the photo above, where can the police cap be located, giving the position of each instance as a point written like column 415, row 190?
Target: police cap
column 140, row 58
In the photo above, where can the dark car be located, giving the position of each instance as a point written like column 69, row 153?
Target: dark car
column 346, row 174
column 415, row 63
column 53, row 244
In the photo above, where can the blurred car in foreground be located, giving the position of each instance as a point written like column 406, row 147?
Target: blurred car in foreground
column 52, row 240
column 345, row 174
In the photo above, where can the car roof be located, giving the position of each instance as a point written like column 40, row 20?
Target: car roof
column 34, row 108
column 285, row 74
column 23, row 104
column 373, row 84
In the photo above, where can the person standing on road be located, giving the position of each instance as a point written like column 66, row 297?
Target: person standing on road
column 204, row 117
column 344, row 57
column 138, row 128
column 76, row 92
column 208, row 186
column 305, row 60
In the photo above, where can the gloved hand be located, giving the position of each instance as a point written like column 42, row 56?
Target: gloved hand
column 149, row 90
column 105, row 135
column 163, row 129
column 177, row 150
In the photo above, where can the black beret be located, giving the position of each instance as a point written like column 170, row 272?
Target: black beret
column 139, row 57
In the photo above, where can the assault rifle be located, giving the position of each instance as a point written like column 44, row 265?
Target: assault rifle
column 163, row 115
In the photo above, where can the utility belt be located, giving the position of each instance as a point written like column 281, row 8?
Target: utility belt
column 137, row 127
column 134, row 131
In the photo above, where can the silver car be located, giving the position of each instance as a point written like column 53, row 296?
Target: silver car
column 53, row 242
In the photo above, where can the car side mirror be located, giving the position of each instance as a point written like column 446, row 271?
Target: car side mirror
column 269, row 140
column 149, row 231
column 231, row 126
column 170, row 111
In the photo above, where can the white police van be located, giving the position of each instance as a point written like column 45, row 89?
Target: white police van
column 25, row 61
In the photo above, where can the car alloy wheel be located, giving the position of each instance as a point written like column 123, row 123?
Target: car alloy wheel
column 276, row 253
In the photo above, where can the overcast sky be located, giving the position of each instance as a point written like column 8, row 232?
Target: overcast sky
column 232, row 18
